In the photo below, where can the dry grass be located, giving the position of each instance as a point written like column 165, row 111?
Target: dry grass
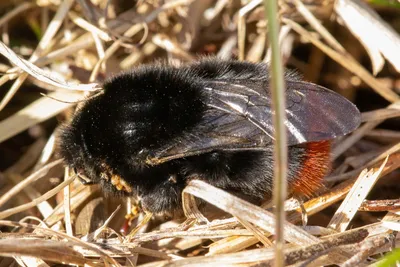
column 57, row 220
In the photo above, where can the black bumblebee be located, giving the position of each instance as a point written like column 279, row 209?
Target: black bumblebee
column 156, row 127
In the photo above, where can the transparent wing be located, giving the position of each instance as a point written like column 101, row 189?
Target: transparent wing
column 240, row 118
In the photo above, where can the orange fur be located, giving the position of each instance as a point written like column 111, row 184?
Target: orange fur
column 314, row 168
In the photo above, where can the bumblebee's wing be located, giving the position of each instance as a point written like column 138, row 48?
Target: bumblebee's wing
column 240, row 118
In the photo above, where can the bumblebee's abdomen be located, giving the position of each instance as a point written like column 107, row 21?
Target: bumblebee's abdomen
column 313, row 165
column 245, row 173
column 250, row 173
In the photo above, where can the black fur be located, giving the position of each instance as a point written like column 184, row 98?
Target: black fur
column 155, row 105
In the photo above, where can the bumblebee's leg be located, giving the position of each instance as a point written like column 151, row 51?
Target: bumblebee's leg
column 84, row 181
column 304, row 216
column 132, row 214
column 146, row 219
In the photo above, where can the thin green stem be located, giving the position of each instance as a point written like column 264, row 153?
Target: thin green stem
column 277, row 86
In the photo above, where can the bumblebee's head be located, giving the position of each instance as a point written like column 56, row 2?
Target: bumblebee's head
column 95, row 145
column 89, row 164
column 73, row 147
